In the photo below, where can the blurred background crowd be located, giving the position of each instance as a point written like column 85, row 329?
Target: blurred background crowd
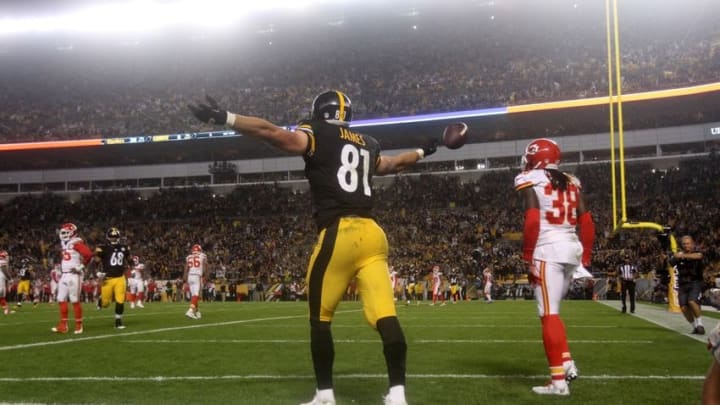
column 264, row 233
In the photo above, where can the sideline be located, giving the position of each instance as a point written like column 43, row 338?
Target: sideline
column 669, row 320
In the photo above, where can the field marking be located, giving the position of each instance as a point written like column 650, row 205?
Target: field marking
column 434, row 325
column 420, row 341
column 601, row 377
column 124, row 332
column 667, row 320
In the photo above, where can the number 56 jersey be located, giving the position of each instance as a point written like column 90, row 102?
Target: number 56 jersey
column 558, row 216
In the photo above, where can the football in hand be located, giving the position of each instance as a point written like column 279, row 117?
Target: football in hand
column 455, row 135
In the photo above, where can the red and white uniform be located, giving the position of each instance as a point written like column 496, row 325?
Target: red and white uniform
column 436, row 282
column 4, row 267
column 558, row 251
column 137, row 279
column 55, row 275
column 196, row 264
column 488, row 280
column 75, row 255
column 393, row 279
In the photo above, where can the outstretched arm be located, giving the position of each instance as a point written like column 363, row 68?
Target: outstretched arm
column 294, row 142
column 398, row 163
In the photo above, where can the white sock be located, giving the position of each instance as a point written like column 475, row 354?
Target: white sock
column 326, row 394
column 698, row 321
column 397, row 391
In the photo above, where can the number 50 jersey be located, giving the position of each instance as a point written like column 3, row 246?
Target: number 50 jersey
column 339, row 164
column 558, row 209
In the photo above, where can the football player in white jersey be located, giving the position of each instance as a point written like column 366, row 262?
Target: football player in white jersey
column 488, row 282
column 553, row 249
column 4, row 278
column 75, row 256
column 196, row 272
column 137, row 283
column 394, row 279
column 55, row 275
column 437, row 291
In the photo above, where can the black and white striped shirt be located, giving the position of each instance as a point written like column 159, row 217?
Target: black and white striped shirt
column 628, row 271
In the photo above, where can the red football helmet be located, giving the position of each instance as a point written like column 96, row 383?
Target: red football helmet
column 135, row 260
column 3, row 254
column 67, row 231
column 196, row 248
column 541, row 153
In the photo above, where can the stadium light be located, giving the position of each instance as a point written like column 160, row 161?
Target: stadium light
column 147, row 15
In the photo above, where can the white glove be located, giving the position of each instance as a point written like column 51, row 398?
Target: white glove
column 100, row 274
column 78, row 269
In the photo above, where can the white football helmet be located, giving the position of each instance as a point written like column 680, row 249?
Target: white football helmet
column 67, row 231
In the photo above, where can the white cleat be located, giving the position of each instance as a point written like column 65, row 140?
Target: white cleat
column 190, row 314
column 571, row 372
column 198, row 315
column 387, row 400
column 552, row 389
column 140, row 305
column 78, row 331
column 132, row 305
column 322, row 399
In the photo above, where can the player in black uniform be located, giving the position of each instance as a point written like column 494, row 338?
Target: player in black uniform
column 114, row 257
column 26, row 274
column 689, row 263
column 340, row 165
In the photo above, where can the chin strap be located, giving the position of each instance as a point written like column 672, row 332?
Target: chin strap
column 531, row 232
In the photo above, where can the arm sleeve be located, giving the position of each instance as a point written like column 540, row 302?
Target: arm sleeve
column 531, row 232
column 84, row 252
column 587, row 236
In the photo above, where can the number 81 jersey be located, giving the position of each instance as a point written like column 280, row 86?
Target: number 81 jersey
column 558, row 208
column 339, row 164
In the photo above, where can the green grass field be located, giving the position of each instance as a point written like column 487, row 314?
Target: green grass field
column 258, row 353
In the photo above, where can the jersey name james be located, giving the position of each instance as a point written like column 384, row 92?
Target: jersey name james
column 339, row 164
column 558, row 209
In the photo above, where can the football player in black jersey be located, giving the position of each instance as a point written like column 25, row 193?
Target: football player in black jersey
column 339, row 165
column 26, row 274
column 114, row 258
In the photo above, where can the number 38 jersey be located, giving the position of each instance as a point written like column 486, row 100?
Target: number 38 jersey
column 114, row 259
column 339, row 164
column 558, row 209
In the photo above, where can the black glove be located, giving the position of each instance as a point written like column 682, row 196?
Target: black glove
column 211, row 114
column 430, row 147
column 664, row 238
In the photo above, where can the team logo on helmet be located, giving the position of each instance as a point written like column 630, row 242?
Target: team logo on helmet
column 113, row 235
column 67, row 231
column 541, row 154
column 332, row 106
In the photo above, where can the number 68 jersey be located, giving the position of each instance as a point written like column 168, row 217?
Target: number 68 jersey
column 558, row 208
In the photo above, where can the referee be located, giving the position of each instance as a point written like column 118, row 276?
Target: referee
column 628, row 273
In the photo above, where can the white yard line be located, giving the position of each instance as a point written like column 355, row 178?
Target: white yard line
column 603, row 377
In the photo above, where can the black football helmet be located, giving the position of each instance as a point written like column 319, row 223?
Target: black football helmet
column 332, row 106
column 113, row 236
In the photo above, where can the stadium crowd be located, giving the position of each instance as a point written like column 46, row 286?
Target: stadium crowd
column 75, row 95
column 264, row 233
